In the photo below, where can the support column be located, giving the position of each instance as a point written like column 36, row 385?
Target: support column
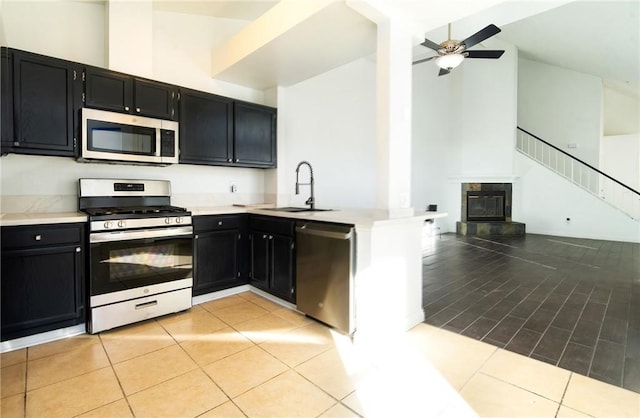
column 129, row 37
column 393, row 82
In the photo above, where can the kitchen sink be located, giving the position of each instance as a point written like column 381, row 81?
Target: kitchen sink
column 294, row 209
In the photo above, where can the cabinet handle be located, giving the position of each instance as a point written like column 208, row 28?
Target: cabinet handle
column 126, row 108
column 219, row 223
column 38, row 237
column 270, row 236
column 78, row 249
column 237, row 160
column 138, row 109
column 197, row 236
column 146, row 304
column 229, row 160
column 264, row 236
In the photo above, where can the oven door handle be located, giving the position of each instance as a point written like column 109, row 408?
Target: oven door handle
column 184, row 231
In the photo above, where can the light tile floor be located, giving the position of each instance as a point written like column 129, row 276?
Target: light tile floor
column 246, row 356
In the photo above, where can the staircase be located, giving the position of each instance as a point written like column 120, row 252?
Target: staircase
column 594, row 181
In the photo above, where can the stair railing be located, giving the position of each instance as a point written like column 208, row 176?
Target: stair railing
column 614, row 192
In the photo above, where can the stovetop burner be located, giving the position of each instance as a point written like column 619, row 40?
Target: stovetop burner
column 135, row 210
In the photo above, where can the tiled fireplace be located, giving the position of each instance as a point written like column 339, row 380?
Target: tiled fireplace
column 486, row 210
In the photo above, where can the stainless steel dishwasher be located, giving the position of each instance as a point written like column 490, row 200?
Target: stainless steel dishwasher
column 325, row 265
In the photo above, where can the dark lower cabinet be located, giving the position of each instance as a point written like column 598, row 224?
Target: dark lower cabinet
column 42, row 271
column 272, row 256
column 219, row 252
column 46, row 97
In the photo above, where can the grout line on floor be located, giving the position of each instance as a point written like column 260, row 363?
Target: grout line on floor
column 512, row 256
column 566, row 387
column 572, row 244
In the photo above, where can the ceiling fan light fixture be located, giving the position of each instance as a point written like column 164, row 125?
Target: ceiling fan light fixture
column 449, row 61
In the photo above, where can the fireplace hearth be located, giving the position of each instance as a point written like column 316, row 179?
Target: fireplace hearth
column 486, row 210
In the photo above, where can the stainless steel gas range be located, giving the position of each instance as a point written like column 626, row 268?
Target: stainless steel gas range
column 141, row 251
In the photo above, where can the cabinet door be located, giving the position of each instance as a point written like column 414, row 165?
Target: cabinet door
column 259, row 265
column 282, row 274
column 153, row 99
column 45, row 98
column 108, row 90
column 217, row 257
column 254, row 135
column 6, row 100
column 205, row 128
column 41, row 290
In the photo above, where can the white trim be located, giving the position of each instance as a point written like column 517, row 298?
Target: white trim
column 44, row 337
column 197, row 300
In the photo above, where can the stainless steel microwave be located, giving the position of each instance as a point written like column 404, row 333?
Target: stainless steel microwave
column 128, row 138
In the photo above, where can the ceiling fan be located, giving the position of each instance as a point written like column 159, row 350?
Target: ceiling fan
column 451, row 53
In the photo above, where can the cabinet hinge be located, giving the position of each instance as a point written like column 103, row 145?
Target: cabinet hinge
column 239, row 237
column 83, row 98
column 250, row 274
column 75, row 143
column 292, row 290
column 75, row 75
column 83, row 75
column 178, row 95
column 238, row 274
column 293, row 245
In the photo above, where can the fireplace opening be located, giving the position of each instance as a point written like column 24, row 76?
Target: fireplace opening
column 486, row 205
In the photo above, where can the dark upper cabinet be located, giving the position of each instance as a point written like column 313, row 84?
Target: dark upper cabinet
column 117, row 92
column 42, row 279
column 6, row 100
column 219, row 252
column 254, row 135
column 206, row 134
column 272, row 256
column 46, row 95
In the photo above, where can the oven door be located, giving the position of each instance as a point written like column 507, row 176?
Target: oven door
column 142, row 261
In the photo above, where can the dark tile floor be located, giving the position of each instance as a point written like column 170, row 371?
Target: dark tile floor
column 574, row 303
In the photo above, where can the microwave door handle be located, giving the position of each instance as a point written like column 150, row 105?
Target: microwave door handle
column 98, row 237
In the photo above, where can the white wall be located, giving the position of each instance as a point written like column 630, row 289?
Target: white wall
column 621, row 158
column 68, row 30
column 545, row 200
column 182, row 47
column 329, row 120
column 463, row 129
column 562, row 107
column 620, row 111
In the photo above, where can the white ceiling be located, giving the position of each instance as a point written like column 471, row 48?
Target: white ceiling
column 600, row 38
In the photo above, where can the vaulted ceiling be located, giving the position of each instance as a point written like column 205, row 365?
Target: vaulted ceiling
column 600, row 38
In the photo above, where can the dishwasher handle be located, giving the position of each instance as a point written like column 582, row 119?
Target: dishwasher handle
column 324, row 233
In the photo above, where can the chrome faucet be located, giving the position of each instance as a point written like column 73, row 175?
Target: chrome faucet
column 311, row 200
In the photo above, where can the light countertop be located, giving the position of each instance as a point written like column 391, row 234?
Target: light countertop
column 361, row 217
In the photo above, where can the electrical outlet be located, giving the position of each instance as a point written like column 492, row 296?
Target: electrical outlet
column 233, row 188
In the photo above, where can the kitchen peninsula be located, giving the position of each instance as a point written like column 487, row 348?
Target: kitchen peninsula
column 388, row 274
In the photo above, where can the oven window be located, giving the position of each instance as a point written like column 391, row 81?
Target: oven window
column 124, row 265
column 120, row 138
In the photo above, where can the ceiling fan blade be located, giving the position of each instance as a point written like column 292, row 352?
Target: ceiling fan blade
column 484, row 54
column 424, row 59
column 481, row 35
column 443, row 71
column 431, row 44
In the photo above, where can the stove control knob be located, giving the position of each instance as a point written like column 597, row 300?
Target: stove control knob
column 108, row 224
column 178, row 220
column 122, row 224
column 167, row 220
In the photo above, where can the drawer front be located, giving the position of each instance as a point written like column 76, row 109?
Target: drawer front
column 130, row 311
column 41, row 235
column 272, row 225
column 217, row 222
